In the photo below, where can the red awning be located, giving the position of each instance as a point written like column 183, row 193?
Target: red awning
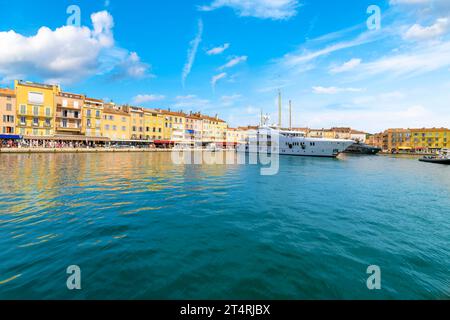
column 163, row 142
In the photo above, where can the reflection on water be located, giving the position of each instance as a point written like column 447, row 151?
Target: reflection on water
column 140, row 226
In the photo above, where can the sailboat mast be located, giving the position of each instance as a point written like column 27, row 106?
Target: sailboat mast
column 279, row 109
column 290, row 115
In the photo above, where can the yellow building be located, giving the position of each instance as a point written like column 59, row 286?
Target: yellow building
column 92, row 117
column 137, row 122
column 116, row 123
column 174, row 126
column 153, row 125
column 430, row 139
column 214, row 130
column 7, row 112
column 35, row 109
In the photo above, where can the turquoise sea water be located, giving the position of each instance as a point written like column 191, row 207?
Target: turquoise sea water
column 141, row 227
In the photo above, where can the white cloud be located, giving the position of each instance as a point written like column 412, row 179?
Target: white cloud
column 264, row 9
column 418, row 32
column 304, row 56
column 334, row 90
column 233, row 62
column 131, row 66
column 192, row 52
column 230, row 100
column 144, row 98
column 347, row 66
column 216, row 78
column 66, row 54
column 418, row 61
column 218, row 50
column 190, row 101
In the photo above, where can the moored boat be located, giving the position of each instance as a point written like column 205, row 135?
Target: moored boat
column 361, row 148
column 443, row 157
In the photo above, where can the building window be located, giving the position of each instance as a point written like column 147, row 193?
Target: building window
column 64, row 123
column 114, row 128
column 88, row 123
column 107, row 127
column 88, row 113
column 8, row 107
column 36, row 110
column 76, row 104
column 64, row 103
column 35, row 122
column 124, row 128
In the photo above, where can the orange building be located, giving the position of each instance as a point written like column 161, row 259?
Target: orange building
column 7, row 112
column 69, row 111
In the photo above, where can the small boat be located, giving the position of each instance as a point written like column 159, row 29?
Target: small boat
column 443, row 157
column 361, row 148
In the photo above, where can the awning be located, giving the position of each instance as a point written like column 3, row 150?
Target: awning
column 68, row 138
column 404, row 148
column 10, row 137
column 164, row 142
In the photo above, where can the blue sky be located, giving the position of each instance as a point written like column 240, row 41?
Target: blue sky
column 230, row 57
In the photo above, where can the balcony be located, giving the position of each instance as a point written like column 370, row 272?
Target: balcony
column 71, row 107
column 69, row 116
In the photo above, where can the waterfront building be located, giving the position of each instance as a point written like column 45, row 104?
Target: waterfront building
column 234, row 137
column 358, row 136
column 35, row 109
column 430, row 139
column 396, row 140
column 116, row 123
column 7, row 112
column 194, row 128
column 137, row 122
column 92, row 117
column 214, row 130
column 342, row 133
column 69, row 110
column 153, row 125
column 315, row 133
column 175, row 124
column 425, row 140
column 376, row 140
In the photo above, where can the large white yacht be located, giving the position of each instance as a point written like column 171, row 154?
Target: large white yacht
column 273, row 139
column 293, row 143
